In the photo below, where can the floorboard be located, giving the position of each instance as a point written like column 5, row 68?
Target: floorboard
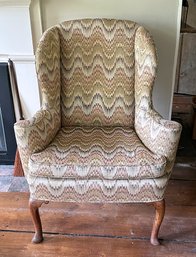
column 110, row 220
column 17, row 245
column 103, row 230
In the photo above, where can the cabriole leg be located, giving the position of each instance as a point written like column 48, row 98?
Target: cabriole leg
column 34, row 206
column 160, row 211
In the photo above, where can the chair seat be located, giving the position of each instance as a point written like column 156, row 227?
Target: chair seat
column 113, row 153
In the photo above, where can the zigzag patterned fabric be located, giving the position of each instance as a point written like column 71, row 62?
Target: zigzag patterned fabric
column 97, row 137
column 97, row 153
column 97, row 72
column 99, row 191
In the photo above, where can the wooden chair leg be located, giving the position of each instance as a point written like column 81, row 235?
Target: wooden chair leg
column 160, row 211
column 34, row 206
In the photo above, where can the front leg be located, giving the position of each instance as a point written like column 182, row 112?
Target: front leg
column 160, row 211
column 34, row 206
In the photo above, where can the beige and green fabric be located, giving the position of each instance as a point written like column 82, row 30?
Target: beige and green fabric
column 97, row 137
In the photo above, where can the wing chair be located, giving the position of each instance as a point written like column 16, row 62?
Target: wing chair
column 97, row 137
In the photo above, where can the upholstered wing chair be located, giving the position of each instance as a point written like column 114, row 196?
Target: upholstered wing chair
column 97, row 137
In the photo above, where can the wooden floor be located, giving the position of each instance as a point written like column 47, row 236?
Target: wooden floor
column 99, row 230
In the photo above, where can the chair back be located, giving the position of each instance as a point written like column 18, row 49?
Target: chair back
column 97, row 72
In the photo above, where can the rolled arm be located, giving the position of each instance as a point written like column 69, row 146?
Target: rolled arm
column 159, row 135
column 35, row 134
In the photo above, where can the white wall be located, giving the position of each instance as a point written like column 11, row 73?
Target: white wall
column 14, row 23
column 29, row 92
column 160, row 17
column 16, row 44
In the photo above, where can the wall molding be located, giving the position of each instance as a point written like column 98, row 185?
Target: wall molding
column 36, row 22
column 15, row 3
column 18, row 58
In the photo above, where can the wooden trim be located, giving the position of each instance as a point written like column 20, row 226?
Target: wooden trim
column 18, row 58
column 36, row 22
column 176, row 55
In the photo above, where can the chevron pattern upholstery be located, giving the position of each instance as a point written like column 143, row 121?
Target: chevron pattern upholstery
column 97, row 137
column 97, row 67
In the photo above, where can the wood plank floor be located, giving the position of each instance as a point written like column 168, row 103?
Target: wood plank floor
column 103, row 230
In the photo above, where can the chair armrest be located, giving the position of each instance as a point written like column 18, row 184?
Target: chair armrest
column 159, row 135
column 35, row 134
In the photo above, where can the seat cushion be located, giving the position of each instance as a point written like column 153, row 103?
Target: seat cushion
column 97, row 191
column 97, row 153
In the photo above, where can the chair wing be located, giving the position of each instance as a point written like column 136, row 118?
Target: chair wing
column 159, row 135
column 36, row 133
